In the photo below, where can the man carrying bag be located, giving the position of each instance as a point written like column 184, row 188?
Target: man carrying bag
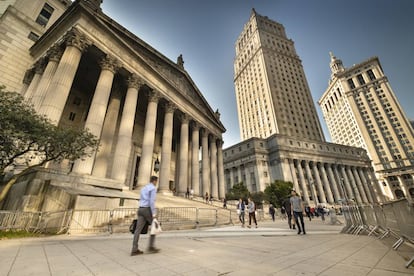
column 146, row 214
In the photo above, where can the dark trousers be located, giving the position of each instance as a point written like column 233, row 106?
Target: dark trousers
column 289, row 216
column 273, row 216
column 144, row 217
column 252, row 215
column 241, row 217
column 299, row 215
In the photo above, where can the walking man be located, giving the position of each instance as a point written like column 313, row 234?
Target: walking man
column 272, row 212
column 240, row 211
column 146, row 213
column 288, row 210
column 252, row 212
column 297, row 211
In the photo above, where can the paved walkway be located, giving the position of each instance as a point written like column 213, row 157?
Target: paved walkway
column 269, row 250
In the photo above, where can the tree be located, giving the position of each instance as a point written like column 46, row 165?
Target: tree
column 238, row 191
column 31, row 139
column 276, row 192
column 258, row 198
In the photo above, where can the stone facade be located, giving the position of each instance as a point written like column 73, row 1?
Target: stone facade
column 321, row 172
column 149, row 115
column 272, row 93
column 282, row 136
column 361, row 110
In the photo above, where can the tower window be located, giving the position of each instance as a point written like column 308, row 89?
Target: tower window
column 33, row 36
column 351, row 83
column 371, row 75
column 361, row 79
column 45, row 15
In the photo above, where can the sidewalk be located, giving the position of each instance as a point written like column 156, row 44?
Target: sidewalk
column 270, row 249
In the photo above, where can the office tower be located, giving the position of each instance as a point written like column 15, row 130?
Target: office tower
column 361, row 110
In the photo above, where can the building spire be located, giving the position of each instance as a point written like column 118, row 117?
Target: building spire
column 336, row 65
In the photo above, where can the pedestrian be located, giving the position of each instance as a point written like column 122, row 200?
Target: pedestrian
column 283, row 212
column 321, row 212
column 187, row 194
column 191, row 194
column 211, row 199
column 308, row 212
column 240, row 211
column 272, row 211
column 288, row 209
column 332, row 216
column 206, row 197
column 225, row 203
column 146, row 213
column 297, row 211
column 251, row 207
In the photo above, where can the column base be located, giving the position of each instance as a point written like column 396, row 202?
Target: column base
column 165, row 192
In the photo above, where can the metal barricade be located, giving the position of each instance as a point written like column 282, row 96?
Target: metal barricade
column 54, row 222
column 207, row 217
column 121, row 219
column 177, row 217
column 17, row 220
column 90, row 221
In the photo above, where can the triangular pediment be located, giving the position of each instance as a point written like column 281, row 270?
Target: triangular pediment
column 169, row 71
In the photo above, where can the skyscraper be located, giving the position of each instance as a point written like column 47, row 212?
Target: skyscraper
column 281, row 132
column 361, row 110
column 272, row 92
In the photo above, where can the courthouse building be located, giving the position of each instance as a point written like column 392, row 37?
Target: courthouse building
column 361, row 110
column 87, row 71
column 280, row 129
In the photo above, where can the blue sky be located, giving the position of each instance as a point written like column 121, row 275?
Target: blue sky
column 205, row 33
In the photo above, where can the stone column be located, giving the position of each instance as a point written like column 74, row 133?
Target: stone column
column 205, row 162
column 339, row 181
column 195, row 167
column 220, row 167
column 145, row 164
column 321, row 191
column 183, row 176
column 348, row 189
column 59, row 88
column 304, row 193
column 293, row 173
column 334, row 183
column 365, row 184
column 354, row 188
column 97, row 110
column 39, row 67
column 126, row 127
column 359, row 185
column 310, row 181
column 213, row 168
column 167, row 134
column 27, row 79
column 55, row 53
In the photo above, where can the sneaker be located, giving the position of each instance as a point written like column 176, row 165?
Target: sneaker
column 248, row 226
column 299, row 232
column 138, row 252
column 256, row 226
column 304, row 233
column 294, row 227
column 153, row 250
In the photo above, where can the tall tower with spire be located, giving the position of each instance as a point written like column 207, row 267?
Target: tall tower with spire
column 361, row 110
column 272, row 92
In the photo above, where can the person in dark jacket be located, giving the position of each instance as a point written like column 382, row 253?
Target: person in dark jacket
column 308, row 212
column 272, row 211
column 286, row 204
column 240, row 210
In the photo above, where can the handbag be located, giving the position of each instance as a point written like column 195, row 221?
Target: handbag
column 133, row 226
column 155, row 227
column 238, row 211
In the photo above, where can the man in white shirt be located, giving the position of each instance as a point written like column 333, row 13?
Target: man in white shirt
column 146, row 213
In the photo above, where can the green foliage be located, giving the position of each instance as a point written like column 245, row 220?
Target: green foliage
column 32, row 140
column 276, row 192
column 4, row 235
column 238, row 191
column 258, row 199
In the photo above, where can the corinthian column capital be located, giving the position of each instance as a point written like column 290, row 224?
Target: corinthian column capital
column 154, row 96
column 55, row 53
column 170, row 107
column 185, row 119
column 134, row 81
column 76, row 39
column 109, row 63
column 28, row 76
